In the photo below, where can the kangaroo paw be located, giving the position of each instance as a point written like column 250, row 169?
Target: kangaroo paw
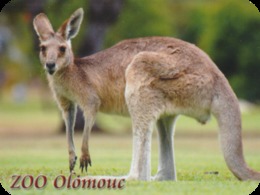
column 84, row 162
column 72, row 163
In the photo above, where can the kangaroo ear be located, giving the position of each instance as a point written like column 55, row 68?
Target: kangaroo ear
column 43, row 26
column 70, row 28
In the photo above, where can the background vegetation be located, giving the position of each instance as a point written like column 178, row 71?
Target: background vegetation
column 228, row 30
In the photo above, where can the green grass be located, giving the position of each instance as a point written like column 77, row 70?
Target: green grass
column 29, row 144
column 111, row 155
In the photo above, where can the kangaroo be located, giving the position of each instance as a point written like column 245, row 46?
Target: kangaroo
column 153, row 80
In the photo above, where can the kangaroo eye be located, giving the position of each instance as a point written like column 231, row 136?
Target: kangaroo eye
column 43, row 48
column 62, row 49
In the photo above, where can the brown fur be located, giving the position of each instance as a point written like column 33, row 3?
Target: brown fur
column 151, row 79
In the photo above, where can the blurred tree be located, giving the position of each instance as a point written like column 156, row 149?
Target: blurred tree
column 5, row 36
column 231, row 40
column 140, row 19
column 101, row 15
column 227, row 31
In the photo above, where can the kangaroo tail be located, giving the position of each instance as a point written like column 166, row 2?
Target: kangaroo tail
column 225, row 108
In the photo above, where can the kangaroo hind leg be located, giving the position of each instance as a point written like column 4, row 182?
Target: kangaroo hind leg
column 145, row 104
column 142, row 122
column 166, row 167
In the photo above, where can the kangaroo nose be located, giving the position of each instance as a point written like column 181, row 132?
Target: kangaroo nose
column 50, row 65
column 50, row 68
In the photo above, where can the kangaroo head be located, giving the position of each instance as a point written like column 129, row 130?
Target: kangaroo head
column 55, row 47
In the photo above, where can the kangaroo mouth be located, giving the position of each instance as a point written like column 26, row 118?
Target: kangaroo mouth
column 51, row 71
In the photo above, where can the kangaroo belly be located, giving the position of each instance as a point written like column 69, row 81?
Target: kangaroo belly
column 113, row 101
column 117, row 107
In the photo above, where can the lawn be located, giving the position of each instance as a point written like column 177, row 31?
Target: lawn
column 30, row 145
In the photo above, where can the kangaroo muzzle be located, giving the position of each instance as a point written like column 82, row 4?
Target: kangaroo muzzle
column 50, row 67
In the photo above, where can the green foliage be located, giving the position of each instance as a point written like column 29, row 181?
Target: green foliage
column 234, row 39
column 140, row 19
column 227, row 31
